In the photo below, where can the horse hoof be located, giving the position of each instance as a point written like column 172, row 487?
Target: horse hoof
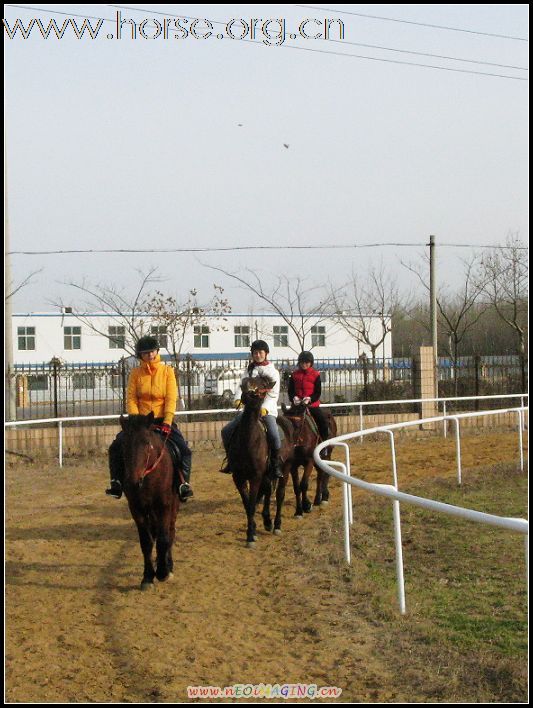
column 324, row 503
column 298, row 516
column 250, row 544
column 148, row 585
column 308, row 511
column 277, row 532
column 167, row 578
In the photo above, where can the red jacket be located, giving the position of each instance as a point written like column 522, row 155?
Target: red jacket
column 305, row 384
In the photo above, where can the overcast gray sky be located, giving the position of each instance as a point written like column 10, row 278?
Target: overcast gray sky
column 180, row 142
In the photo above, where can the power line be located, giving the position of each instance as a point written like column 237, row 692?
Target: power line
column 320, row 51
column 420, row 24
column 259, row 248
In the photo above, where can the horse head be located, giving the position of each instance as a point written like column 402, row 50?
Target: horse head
column 138, row 441
column 254, row 389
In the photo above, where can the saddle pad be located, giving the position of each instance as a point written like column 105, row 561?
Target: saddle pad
column 280, row 430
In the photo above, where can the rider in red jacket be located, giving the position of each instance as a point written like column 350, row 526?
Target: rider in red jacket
column 305, row 387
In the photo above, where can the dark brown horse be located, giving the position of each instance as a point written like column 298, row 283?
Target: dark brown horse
column 248, row 458
column 306, row 438
column 149, row 489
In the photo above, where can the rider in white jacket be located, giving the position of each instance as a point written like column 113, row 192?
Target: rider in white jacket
column 260, row 366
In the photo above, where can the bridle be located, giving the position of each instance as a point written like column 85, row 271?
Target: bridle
column 158, row 460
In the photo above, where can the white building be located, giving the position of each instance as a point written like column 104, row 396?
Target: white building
column 39, row 337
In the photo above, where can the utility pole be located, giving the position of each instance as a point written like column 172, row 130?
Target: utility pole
column 9, row 401
column 433, row 308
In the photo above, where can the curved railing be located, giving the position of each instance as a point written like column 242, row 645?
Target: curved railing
column 342, row 471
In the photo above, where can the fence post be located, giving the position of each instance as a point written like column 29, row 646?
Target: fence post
column 55, row 362
column 123, row 382
column 424, row 371
column 477, row 365
column 189, row 396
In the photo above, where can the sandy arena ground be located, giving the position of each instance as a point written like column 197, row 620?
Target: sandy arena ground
column 79, row 629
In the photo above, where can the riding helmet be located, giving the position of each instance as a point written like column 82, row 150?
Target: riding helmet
column 259, row 345
column 306, row 357
column 146, row 344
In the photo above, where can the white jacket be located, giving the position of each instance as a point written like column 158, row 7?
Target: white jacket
column 271, row 399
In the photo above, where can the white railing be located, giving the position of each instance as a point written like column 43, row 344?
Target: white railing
column 210, row 411
column 391, row 491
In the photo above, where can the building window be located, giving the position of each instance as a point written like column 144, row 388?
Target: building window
column 160, row 333
column 26, row 338
column 201, row 336
column 83, row 381
column 117, row 337
column 318, row 336
column 72, row 337
column 37, row 382
column 281, row 336
column 242, row 336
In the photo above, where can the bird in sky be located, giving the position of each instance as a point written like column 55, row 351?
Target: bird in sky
column 285, row 145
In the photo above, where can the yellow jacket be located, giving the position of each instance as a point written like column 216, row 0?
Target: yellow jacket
column 152, row 387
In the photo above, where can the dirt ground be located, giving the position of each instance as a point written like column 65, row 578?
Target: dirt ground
column 79, row 630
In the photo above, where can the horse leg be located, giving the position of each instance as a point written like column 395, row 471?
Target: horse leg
column 251, row 537
column 245, row 496
column 172, row 535
column 147, row 544
column 163, row 545
column 297, row 493
column 266, row 492
column 280, row 496
column 304, row 486
column 323, row 480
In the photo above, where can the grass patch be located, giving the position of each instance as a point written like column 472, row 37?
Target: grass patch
column 464, row 636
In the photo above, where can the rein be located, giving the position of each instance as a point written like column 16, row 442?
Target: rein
column 152, row 468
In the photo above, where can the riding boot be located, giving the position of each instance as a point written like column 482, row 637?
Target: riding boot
column 116, row 471
column 185, row 491
column 275, row 471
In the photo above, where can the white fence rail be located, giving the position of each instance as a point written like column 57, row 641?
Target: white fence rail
column 391, row 491
column 210, row 411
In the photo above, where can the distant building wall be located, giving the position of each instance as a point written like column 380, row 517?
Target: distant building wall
column 47, row 334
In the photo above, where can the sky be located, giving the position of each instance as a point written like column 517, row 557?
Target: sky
column 181, row 142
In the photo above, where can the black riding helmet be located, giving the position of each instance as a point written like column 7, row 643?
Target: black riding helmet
column 306, row 357
column 146, row 344
column 259, row 345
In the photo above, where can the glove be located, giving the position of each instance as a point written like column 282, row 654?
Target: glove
column 264, row 412
column 306, row 401
column 164, row 428
column 296, row 401
column 237, row 403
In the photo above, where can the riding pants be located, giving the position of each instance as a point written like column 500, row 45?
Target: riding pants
column 272, row 431
column 116, row 458
column 321, row 420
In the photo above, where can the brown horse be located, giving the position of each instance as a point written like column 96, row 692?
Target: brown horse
column 149, row 489
column 248, row 458
column 306, row 438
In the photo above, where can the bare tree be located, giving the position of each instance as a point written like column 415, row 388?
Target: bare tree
column 127, row 311
column 459, row 312
column 291, row 299
column 22, row 284
column 505, row 285
column 178, row 318
column 365, row 307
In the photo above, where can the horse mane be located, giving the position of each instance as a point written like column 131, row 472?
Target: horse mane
column 266, row 381
column 134, row 423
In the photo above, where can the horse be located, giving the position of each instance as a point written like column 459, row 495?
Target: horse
column 152, row 498
column 248, row 458
column 306, row 438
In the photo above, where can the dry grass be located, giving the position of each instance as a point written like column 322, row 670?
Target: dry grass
column 292, row 610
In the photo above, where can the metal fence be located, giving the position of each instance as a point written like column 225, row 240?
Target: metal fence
column 59, row 389
column 482, row 376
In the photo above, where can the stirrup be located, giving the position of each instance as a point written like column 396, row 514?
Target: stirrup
column 185, row 492
column 115, row 490
column 225, row 469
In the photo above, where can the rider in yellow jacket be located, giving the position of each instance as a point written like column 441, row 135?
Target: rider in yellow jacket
column 151, row 389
